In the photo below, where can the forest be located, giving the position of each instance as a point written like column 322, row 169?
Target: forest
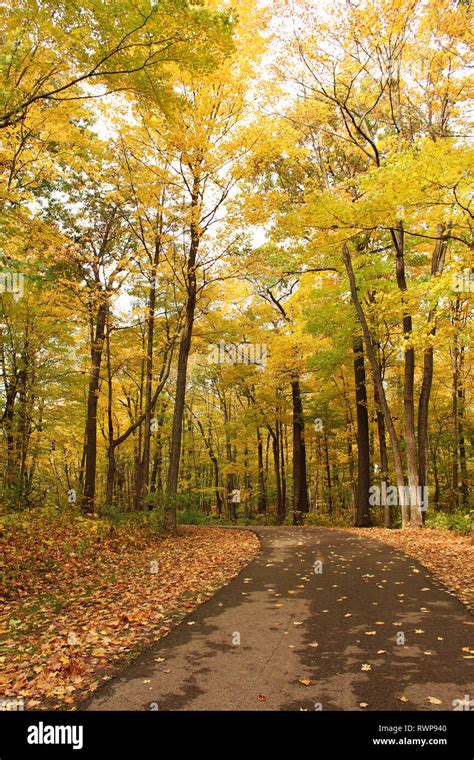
column 214, row 277
column 235, row 270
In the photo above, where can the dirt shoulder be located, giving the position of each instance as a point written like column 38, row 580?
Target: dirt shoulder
column 80, row 600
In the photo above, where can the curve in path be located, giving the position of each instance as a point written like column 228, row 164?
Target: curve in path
column 282, row 623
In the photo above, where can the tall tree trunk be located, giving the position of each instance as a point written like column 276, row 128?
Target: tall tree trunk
column 328, row 473
column 462, row 442
column 230, row 478
column 180, row 393
column 437, row 267
column 436, row 481
column 247, row 482
column 397, row 456
column 454, row 412
column 279, row 427
column 139, row 438
column 262, row 496
column 145, row 462
column 300, row 484
column 111, row 464
column 383, row 456
column 280, row 509
column 8, row 426
column 398, row 236
column 88, row 498
column 350, row 458
column 363, row 518
column 217, row 491
column 215, row 464
column 156, row 480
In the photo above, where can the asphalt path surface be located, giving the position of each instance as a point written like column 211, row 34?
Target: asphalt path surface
column 321, row 619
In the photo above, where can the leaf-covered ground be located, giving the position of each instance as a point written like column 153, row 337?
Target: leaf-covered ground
column 449, row 556
column 79, row 598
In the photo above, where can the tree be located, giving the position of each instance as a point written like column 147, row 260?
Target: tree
column 51, row 50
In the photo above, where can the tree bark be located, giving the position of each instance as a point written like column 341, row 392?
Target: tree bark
column 145, row 462
column 437, row 266
column 462, row 442
column 262, row 496
column 300, row 483
column 88, row 498
column 328, row 473
column 397, row 457
column 280, row 509
column 182, row 368
column 363, row 517
column 408, row 384
column 383, row 456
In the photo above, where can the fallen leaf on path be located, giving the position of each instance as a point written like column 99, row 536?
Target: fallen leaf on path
column 305, row 681
column 448, row 555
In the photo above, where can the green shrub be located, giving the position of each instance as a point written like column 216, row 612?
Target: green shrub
column 192, row 516
column 325, row 520
column 458, row 521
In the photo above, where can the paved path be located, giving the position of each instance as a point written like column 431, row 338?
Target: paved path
column 281, row 608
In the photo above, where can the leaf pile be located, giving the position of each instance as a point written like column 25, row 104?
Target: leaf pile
column 449, row 556
column 79, row 597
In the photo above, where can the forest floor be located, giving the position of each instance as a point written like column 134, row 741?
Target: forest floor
column 84, row 600
column 367, row 629
column 449, row 555
column 80, row 598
